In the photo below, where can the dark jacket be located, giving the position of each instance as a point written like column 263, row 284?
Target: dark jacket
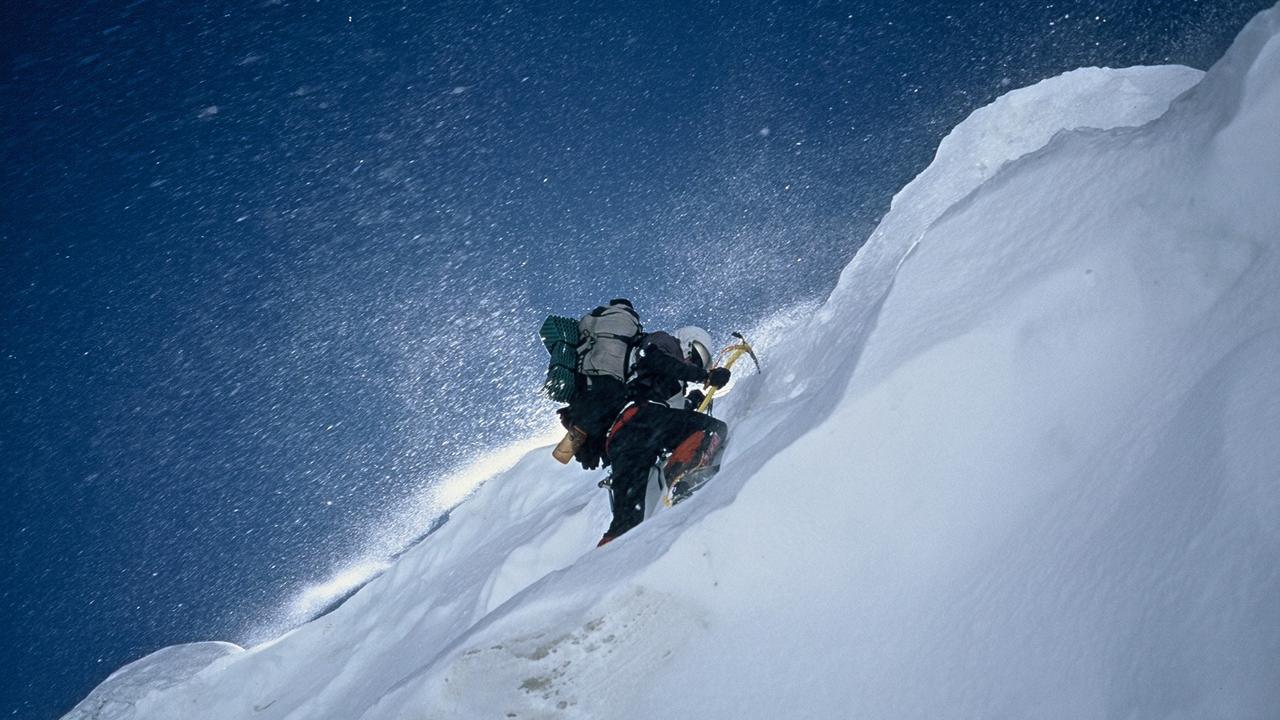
column 597, row 400
column 661, row 369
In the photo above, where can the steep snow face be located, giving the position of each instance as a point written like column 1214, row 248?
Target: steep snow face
column 1021, row 463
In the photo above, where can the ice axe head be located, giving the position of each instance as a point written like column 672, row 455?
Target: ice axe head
column 746, row 347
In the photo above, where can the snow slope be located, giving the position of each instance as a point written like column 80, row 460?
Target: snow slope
column 1022, row 463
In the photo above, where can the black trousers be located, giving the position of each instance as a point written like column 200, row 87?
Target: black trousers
column 636, row 445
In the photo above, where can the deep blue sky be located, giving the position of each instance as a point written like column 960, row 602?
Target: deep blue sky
column 267, row 269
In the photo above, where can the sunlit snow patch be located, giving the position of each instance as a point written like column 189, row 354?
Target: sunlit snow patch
column 320, row 598
column 454, row 488
column 441, row 496
column 417, row 519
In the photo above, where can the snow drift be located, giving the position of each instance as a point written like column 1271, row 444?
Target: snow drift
column 1021, row 463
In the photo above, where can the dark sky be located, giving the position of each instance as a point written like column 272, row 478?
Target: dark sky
column 267, row 269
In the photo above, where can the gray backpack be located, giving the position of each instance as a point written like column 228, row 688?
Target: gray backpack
column 606, row 336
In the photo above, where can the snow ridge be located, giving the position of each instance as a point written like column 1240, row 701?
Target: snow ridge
column 1020, row 463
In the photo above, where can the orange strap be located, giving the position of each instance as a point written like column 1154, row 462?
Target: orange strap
column 624, row 418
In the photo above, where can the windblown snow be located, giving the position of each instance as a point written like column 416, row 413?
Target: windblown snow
column 1021, row 463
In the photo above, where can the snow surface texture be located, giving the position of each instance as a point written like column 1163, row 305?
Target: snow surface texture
column 1022, row 463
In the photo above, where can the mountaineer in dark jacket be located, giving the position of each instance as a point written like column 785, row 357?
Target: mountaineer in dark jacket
column 661, row 418
column 606, row 337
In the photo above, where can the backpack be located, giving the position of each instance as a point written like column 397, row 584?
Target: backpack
column 652, row 380
column 597, row 345
column 606, row 336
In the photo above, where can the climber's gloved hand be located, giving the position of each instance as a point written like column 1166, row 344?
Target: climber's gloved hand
column 588, row 457
column 718, row 377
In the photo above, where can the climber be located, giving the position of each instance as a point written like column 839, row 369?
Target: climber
column 661, row 418
column 591, row 361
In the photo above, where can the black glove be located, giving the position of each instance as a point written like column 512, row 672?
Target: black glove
column 696, row 397
column 589, row 460
column 590, row 453
column 718, row 377
column 565, row 418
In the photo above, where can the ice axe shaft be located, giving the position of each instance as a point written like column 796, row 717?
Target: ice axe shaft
column 727, row 357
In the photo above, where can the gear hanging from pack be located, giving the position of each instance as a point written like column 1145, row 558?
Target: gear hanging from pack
column 560, row 336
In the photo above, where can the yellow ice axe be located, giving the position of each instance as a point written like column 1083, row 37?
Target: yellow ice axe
column 725, row 359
